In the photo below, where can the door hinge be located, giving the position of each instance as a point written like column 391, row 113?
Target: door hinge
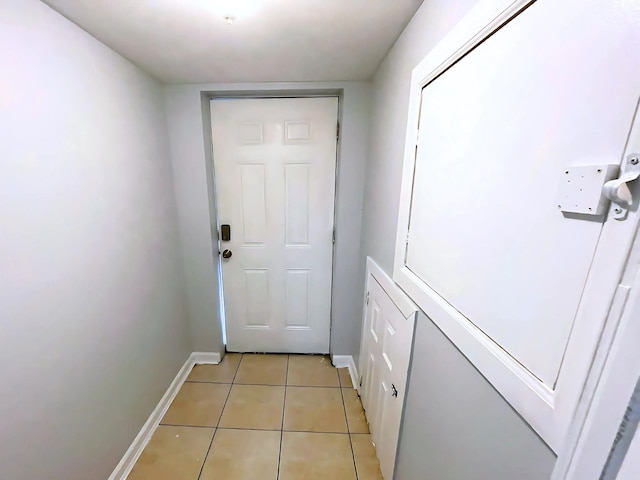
column 360, row 380
column 417, row 137
column 367, row 299
column 338, row 131
column 406, row 241
column 333, row 238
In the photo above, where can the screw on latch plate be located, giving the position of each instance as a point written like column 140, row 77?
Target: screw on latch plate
column 634, row 160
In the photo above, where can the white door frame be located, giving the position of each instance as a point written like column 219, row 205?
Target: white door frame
column 609, row 386
column 576, row 446
column 215, row 233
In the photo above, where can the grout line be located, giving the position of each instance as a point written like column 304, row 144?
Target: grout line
column 259, row 429
column 204, row 381
column 181, row 425
column 308, row 386
column 218, row 423
column 263, row 384
column 284, row 403
column 346, row 419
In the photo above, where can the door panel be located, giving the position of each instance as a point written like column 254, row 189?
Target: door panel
column 274, row 165
column 253, row 201
column 514, row 98
column 497, row 131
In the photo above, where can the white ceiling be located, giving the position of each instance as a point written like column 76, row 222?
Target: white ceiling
column 184, row 41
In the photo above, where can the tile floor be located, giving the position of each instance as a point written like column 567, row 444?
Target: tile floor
column 267, row 417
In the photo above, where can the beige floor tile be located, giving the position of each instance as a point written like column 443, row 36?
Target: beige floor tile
column 365, row 455
column 312, row 371
column 356, row 420
column 221, row 373
column 198, row 404
column 173, row 453
column 254, row 406
column 314, row 409
column 316, row 456
column 243, row 455
column 345, row 378
column 262, row 370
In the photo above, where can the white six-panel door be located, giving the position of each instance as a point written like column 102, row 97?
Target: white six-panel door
column 274, row 162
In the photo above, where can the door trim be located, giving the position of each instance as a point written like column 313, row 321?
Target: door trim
column 215, row 228
column 549, row 411
column 609, row 385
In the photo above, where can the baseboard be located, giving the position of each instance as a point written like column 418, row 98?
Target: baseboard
column 123, row 469
column 346, row 361
column 201, row 358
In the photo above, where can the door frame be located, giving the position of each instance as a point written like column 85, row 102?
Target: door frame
column 215, row 226
column 550, row 415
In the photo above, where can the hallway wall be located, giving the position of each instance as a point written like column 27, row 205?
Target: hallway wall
column 456, row 425
column 190, row 135
column 92, row 304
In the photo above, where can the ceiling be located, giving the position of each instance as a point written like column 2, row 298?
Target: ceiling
column 189, row 41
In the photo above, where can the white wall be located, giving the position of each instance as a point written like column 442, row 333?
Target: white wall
column 456, row 426
column 92, row 305
column 189, row 132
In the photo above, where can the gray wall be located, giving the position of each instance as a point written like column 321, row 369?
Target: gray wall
column 92, row 305
column 456, row 426
column 187, row 110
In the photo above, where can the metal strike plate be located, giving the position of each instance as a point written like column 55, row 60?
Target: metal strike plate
column 581, row 189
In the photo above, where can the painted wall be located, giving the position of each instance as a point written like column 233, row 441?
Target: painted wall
column 189, row 131
column 456, row 425
column 92, row 305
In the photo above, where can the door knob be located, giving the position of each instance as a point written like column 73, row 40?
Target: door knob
column 227, row 254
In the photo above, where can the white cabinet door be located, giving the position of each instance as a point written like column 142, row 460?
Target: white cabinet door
column 522, row 288
column 385, row 352
column 275, row 162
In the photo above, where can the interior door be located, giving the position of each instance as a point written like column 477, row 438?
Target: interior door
column 275, row 162
column 506, row 249
column 387, row 336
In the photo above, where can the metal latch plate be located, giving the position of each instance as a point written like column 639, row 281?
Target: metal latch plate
column 581, row 189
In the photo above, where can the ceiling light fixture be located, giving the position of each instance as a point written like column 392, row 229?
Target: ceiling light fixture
column 229, row 19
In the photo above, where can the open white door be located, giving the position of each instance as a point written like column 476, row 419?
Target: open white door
column 275, row 163
column 505, row 239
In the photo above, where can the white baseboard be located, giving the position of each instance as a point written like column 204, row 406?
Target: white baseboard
column 123, row 469
column 346, row 361
column 201, row 358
